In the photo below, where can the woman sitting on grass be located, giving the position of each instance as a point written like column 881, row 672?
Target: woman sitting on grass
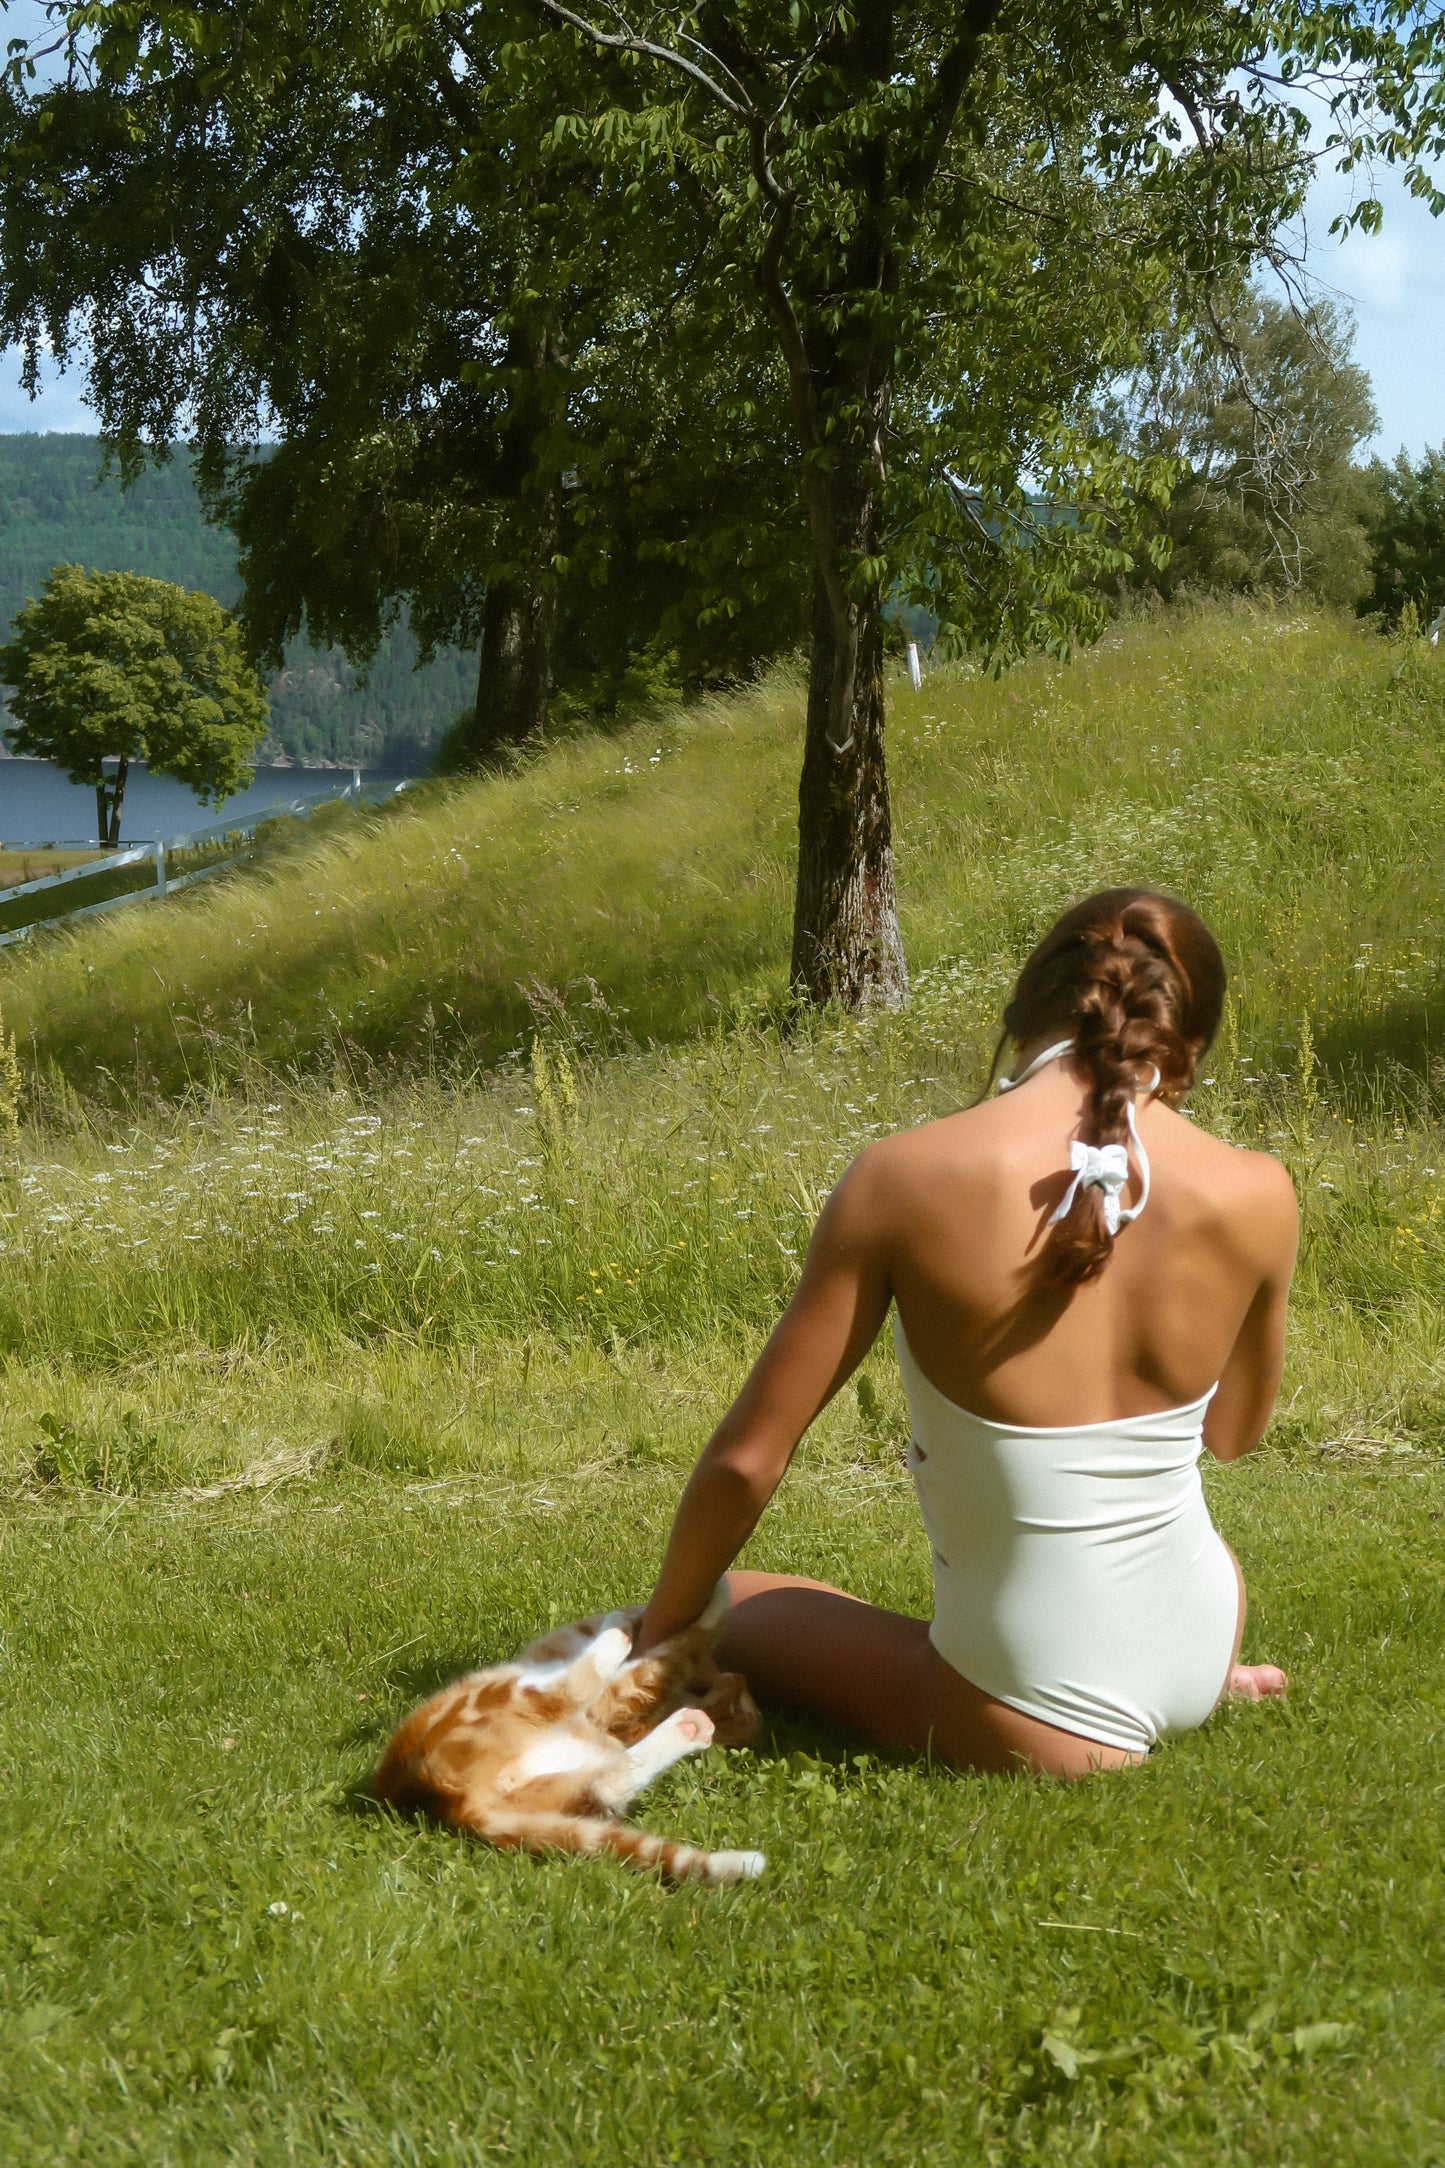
column 1088, row 1290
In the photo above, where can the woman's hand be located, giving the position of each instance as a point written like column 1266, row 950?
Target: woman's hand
column 833, row 1319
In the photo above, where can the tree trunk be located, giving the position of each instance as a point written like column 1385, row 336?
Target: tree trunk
column 117, row 799
column 108, row 802
column 514, row 674
column 846, row 943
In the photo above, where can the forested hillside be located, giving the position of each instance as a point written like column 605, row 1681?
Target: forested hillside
column 53, row 511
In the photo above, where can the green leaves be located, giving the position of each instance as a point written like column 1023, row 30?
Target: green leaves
column 114, row 665
column 120, row 1459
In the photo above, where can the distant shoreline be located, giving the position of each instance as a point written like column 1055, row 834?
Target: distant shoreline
column 280, row 760
column 39, row 805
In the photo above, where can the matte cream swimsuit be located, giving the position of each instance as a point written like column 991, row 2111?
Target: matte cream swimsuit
column 1077, row 1574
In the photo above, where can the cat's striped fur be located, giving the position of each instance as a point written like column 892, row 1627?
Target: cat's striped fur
column 542, row 1753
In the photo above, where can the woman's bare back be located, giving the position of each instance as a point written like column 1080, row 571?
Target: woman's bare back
column 960, row 1209
column 1030, row 1318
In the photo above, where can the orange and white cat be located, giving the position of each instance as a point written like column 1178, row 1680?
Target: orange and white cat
column 541, row 1753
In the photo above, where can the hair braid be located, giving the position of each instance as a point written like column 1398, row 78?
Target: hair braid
column 1137, row 980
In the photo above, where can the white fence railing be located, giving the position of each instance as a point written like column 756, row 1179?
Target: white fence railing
column 166, row 883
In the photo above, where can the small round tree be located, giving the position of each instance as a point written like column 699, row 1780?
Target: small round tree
column 111, row 665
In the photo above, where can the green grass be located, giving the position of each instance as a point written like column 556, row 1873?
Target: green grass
column 881, row 1997
column 319, row 1390
column 1285, row 774
column 35, row 865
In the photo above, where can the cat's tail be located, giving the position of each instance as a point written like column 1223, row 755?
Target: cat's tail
column 595, row 1838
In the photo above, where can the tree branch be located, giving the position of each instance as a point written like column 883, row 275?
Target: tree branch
column 723, row 82
column 951, row 80
column 627, row 41
column 781, row 198
column 800, row 375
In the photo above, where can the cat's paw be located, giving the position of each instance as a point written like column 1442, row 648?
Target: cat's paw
column 610, row 1652
column 686, row 1731
column 694, row 1725
column 735, row 1866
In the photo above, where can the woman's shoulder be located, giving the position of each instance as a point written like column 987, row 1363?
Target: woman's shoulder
column 1252, row 1189
column 952, row 1148
column 925, row 1142
column 1236, row 1164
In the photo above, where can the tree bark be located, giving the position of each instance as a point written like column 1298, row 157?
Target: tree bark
column 108, row 802
column 846, row 943
column 514, row 674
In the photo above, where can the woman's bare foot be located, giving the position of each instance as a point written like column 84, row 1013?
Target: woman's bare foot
column 1255, row 1682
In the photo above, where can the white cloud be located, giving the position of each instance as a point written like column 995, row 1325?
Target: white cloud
column 1395, row 283
column 58, row 406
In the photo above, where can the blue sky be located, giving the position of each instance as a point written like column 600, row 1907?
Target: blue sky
column 1394, row 281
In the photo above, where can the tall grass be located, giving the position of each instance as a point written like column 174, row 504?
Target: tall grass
column 664, row 1211
column 590, row 1192
column 1283, row 773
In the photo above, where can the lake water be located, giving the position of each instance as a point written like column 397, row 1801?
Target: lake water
column 39, row 805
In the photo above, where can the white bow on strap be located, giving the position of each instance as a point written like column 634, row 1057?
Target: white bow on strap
column 1096, row 1166
column 1106, row 1167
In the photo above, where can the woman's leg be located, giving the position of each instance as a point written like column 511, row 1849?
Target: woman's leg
column 817, row 1649
column 1248, row 1682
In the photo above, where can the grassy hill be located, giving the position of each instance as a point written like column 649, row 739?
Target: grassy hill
column 1285, row 775
column 55, row 510
column 321, row 1388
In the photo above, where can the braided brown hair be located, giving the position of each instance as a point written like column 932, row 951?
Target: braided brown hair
column 1136, row 980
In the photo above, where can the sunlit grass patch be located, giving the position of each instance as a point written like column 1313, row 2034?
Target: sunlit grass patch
column 210, row 1948
column 320, row 1388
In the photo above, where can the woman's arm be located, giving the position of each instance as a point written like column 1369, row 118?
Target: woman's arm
column 1239, row 1413
column 833, row 1319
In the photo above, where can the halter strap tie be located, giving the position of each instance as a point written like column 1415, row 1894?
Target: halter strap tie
column 1095, row 1166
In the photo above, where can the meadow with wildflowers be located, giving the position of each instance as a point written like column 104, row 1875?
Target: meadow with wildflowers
column 384, row 1227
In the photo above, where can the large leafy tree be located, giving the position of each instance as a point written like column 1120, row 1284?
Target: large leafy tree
column 1266, row 430
column 1407, row 534
column 956, row 222
column 113, row 666
column 914, row 240
column 307, row 223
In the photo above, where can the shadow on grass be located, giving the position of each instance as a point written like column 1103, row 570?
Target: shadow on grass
column 811, row 1741
column 1386, row 1058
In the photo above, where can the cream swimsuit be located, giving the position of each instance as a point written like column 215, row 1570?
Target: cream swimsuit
column 1077, row 1574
